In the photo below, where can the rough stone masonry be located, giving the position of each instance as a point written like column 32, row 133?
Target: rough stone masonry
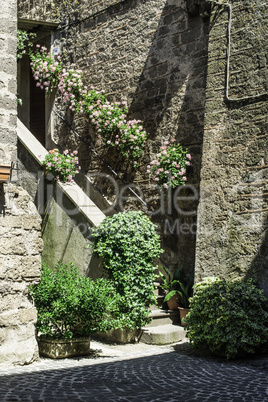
column 20, row 235
column 169, row 60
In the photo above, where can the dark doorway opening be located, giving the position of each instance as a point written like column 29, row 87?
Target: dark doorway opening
column 37, row 111
column 35, row 106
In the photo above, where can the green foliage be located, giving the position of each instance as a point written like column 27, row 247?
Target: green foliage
column 227, row 317
column 62, row 166
column 168, row 169
column 108, row 119
column 24, row 42
column 70, row 305
column 180, row 283
column 46, row 70
column 128, row 243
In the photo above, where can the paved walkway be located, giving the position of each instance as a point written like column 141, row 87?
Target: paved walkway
column 137, row 373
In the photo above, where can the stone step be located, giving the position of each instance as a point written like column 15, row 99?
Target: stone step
column 163, row 334
column 163, row 317
column 159, row 302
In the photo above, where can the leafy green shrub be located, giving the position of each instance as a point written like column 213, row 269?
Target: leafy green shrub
column 227, row 317
column 70, row 305
column 128, row 243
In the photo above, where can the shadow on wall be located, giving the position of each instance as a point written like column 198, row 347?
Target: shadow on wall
column 168, row 95
column 259, row 266
column 170, row 100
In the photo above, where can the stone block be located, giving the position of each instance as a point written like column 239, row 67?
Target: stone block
column 9, row 318
column 5, row 287
column 10, row 302
column 12, row 246
column 18, row 287
column 27, row 315
column 33, row 243
column 30, row 267
column 14, row 274
column 20, row 346
column 11, row 221
column 32, row 222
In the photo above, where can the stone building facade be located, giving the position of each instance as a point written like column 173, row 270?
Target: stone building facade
column 20, row 235
column 193, row 70
column 190, row 69
column 233, row 209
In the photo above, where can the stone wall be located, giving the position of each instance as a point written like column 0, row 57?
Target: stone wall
column 233, row 210
column 170, row 65
column 20, row 236
column 8, row 82
column 152, row 55
column 20, row 250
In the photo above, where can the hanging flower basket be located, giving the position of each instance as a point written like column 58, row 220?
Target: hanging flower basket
column 62, row 167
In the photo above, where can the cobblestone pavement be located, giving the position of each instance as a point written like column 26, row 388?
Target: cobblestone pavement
column 137, row 373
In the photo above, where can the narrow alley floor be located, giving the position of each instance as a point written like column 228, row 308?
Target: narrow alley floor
column 137, row 372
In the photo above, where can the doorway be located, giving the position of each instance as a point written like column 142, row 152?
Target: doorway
column 35, row 106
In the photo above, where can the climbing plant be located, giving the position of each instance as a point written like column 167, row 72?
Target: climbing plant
column 108, row 118
column 128, row 243
column 24, row 42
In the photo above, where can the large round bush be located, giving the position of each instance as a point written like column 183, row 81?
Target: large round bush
column 227, row 317
column 128, row 243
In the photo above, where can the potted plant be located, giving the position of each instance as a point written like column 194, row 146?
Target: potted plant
column 170, row 289
column 71, row 307
column 177, row 291
column 63, row 167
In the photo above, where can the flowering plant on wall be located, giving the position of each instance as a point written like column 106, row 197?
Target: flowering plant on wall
column 168, row 169
column 132, row 137
column 72, row 89
column 46, row 70
column 62, row 166
column 109, row 119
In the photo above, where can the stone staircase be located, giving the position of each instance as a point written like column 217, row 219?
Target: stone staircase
column 165, row 326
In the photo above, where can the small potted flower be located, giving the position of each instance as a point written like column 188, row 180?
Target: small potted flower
column 62, row 166
column 169, row 167
column 178, row 291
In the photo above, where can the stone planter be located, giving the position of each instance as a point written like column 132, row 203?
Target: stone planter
column 183, row 313
column 62, row 348
column 120, row 336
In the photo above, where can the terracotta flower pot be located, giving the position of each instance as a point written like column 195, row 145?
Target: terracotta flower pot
column 183, row 313
column 173, row 302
